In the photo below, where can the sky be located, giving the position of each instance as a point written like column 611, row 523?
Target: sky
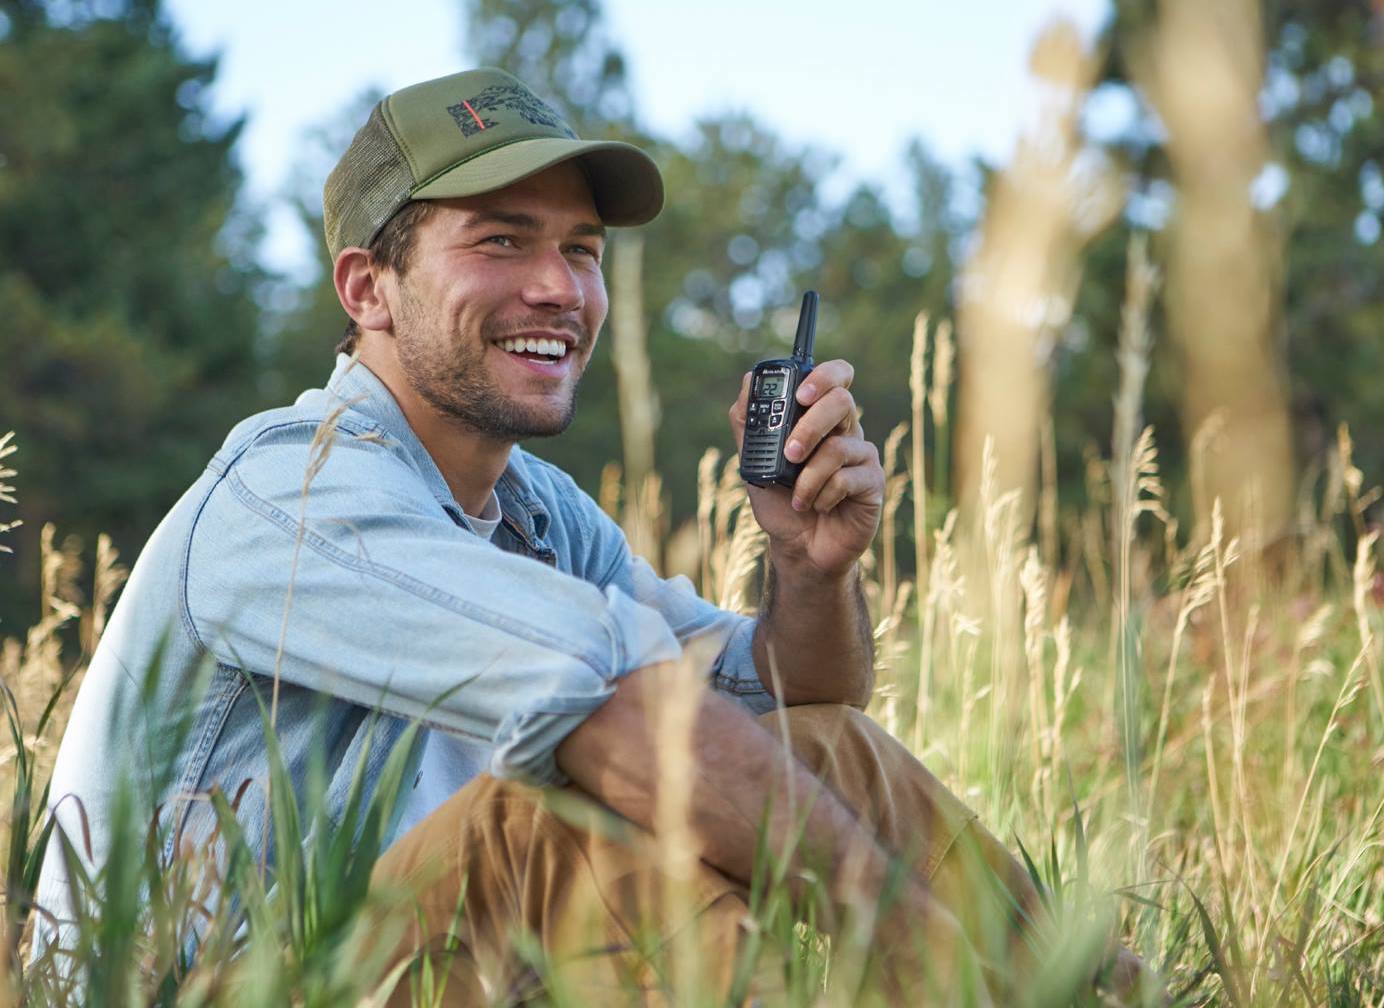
column 858, row 79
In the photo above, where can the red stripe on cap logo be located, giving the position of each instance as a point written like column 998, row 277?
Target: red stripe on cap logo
column 479, row 121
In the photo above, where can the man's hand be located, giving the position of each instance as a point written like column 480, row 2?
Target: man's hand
column 829, row 517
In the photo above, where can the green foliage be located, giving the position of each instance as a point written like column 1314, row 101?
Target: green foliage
column 304, row 929
column 301, row 333
column 1322, row 197
column 125, row 279
column 1326, row 77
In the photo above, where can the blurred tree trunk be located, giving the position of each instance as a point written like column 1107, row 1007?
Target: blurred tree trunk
column 1017, row 292
column 1204, row 71
column 635, row 388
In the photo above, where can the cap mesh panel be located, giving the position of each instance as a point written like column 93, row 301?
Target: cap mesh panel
column 371, row 182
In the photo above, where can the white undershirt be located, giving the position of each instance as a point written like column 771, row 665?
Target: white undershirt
column 489, row 520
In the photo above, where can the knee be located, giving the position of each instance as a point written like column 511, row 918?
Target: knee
column 483, row 805
column 486, row 815
column 492, row 815
column 816, row 717
column 824, row 732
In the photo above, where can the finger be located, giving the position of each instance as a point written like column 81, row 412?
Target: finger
column 834, row 455
column 850, row 425
column 825, row 377
column 824, row 416
column 863, row 476
column 855, row 482
column 737, row 409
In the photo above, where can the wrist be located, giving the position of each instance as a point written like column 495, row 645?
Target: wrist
column 792, row 568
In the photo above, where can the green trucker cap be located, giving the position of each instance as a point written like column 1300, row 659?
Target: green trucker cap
column 466, row 134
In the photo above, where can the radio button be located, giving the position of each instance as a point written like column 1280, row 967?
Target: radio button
column 779, row 405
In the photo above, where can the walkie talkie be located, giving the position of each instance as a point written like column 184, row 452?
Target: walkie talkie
column 773, row 409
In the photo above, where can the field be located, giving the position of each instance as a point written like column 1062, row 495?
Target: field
column 1175, row 723
column 1180, row 732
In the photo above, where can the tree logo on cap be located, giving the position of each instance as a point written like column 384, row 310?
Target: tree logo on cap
column 470, row 113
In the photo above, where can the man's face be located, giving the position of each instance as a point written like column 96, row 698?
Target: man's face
column 501, row 304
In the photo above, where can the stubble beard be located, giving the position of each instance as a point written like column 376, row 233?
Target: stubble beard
column 450, row 375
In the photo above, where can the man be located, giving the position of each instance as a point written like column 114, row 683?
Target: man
column 382, row 552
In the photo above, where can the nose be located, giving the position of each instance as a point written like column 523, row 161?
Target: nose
column 552, row 284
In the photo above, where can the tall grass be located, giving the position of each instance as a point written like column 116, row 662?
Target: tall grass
column 1180, row 737
column 1214, row 789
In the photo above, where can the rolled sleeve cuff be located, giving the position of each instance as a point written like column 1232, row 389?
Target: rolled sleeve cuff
column 735, row 674
column 526, row 741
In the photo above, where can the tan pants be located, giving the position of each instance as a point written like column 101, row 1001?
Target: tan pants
column 500, row 860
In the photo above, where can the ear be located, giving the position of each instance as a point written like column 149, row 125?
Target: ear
column 359, row 288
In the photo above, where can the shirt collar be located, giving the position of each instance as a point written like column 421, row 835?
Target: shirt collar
column 357, row 386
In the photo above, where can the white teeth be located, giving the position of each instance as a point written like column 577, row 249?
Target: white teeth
column 547, row 347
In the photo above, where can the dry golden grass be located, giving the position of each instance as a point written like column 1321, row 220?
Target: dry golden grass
column 1165, row 716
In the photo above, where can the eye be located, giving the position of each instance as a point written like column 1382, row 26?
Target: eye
column 503, row 240
column 587, row 250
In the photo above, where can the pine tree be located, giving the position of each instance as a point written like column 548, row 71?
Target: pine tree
column 126, row 277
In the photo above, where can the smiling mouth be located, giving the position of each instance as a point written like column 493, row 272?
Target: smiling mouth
column 544, row 350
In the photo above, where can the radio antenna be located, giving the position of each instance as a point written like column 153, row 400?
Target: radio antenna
column 807, row 328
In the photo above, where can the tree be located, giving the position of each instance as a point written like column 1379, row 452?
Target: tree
column 302, row 331
column 1321, row 194
column 127, row 280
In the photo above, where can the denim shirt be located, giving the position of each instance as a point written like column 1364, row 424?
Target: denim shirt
column 322, row 549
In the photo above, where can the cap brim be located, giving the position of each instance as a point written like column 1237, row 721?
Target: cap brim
column 625, row 183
